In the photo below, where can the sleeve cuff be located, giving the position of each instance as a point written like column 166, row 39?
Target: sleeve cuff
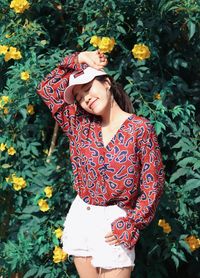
column 125, row 232
column 71, row 62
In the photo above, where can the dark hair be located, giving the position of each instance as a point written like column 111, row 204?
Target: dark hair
column 119, row 94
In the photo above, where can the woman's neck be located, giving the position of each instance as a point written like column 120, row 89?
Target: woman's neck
column 113, row 115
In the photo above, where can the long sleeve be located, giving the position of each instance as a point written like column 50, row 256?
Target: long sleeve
column 52, row 88
column 152, row 179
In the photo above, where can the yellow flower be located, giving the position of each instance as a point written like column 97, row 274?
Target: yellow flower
column 6, row 111
column 5, row 99
column 157, row 96
column 7, row 36
column 11, row 151
column 2, row 147
column 59, row 255
column 25, row 75
column 161, row 222
column 141, row 52
column 48, row 191
column 167, row 228
column 3, row 49
column 13, row 53
column 18, row 182
column 19, row 6
column 7, row 56
column 21, row 182
column 30, row 109
column 106, row 44
column 193, row 242
column 95, row 41
column 17, row 187
column 43, row 205
column 58, row 232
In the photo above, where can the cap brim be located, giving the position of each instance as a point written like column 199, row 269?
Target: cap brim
column 68, row 95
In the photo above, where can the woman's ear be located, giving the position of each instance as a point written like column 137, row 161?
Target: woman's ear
column 107, row 83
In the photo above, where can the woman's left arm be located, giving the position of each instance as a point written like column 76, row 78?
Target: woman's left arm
column 126, row 229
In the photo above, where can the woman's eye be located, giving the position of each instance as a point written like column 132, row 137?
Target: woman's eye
column 79, row 99
column 87, row 88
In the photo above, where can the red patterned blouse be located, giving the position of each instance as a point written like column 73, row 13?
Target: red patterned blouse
column 128, row 171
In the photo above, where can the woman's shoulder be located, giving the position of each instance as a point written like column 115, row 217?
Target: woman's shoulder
column 141, row 121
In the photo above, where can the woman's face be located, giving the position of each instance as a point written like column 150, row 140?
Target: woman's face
column 94, row 97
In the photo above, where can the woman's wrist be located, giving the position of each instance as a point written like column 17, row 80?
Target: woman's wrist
column 80, row 58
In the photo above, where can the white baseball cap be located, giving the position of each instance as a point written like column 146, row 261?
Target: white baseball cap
column 78, row 78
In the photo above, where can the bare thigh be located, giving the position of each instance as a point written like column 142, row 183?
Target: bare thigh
column 86, row 270
column 84, row 267
column 124, row 272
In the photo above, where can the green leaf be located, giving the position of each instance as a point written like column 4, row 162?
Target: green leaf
column 192, row 28
column 196, row 165
column 197, row 200
column 30, row 209
column 187, row 160
column 177, row 174
column 121, row 30
column 191, row 184
column 34, row 150
column 159, row 127
column 30, row 273
column 23, row 112
column 55, row 240
column 6, row 166
column 175, row 260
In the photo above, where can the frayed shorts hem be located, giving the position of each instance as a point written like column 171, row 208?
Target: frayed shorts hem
column 100, row 265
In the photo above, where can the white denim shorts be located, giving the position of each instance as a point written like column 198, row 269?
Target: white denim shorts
column 84, row 233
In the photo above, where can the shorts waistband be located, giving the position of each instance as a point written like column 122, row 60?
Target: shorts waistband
column 94, row 206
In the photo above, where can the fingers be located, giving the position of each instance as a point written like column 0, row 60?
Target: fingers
column 100, row 60
column 102, row 57
column 111, row 239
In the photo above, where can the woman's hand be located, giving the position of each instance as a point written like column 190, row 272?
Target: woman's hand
column 111, row 239
column 94, row 59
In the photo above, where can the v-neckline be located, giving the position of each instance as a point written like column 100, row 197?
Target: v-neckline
column 115, row 134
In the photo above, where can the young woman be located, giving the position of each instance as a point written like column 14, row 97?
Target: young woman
column 116, row 162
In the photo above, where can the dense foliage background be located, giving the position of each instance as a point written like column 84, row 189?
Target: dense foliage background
column 35, row 190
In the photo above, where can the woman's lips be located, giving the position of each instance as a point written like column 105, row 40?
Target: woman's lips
column 93, row 104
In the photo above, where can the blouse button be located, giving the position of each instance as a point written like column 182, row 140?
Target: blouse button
column 88, row 208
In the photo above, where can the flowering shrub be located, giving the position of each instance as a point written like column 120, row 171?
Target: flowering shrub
column 152, row 48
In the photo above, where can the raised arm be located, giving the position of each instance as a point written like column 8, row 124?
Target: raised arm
column 52, row 88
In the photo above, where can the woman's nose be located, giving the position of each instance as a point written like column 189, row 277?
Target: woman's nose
column 87, row 98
